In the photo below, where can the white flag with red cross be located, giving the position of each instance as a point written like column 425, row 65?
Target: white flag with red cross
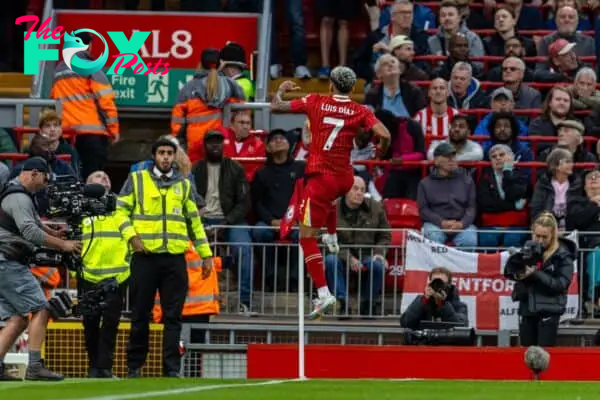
column 478, row 278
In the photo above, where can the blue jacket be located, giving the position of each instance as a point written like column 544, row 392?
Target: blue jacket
column 423, row 17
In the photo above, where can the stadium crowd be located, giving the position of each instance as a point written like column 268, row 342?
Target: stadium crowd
column 482, row 126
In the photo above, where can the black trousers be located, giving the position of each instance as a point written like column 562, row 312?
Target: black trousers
column 538, row 330
column 166, row 273
column 93, row 153
column 100, row 331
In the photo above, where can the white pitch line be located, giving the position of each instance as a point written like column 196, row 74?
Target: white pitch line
column 174, row 392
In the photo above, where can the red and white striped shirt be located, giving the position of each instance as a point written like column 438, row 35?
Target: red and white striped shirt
column 435, row 125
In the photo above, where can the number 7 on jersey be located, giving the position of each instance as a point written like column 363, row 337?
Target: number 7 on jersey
column 338, row 125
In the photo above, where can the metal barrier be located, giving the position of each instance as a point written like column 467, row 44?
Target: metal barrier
column 44, row 78
column 12, row 111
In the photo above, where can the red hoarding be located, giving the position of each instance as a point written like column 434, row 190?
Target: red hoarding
column 177, row 38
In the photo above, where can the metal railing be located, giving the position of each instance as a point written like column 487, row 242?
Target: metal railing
column 39, row 80
column 12, row 111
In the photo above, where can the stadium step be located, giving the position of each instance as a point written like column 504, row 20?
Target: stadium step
column 15, row 85
column 315, row 86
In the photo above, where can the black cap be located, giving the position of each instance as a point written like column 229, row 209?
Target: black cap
column 213, row 134
column 277, row 132
column 444, row 149
column 37, row 164
column 233, row 54
column 209, row 58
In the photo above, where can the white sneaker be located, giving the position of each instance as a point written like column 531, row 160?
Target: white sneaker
column 321, row 305
column 331, row 240
column 275, row 71
column 302, row 72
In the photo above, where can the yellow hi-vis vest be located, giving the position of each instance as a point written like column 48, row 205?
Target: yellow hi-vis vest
column 105, row 254
column 162, row 213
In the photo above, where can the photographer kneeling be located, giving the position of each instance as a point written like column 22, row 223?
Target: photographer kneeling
column 21, row 231
column 542, row 270
column 439, row 303
column 105, row 274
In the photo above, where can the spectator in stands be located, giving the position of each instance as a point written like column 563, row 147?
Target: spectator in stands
column 513, row 47
column 7, row 145
column 583, row 214
column 393, row 94
column 294, row 17
column 527, row 17
column 423, row 17
column 502, row 188
column 88, row 107
column 403, row 49
column 272, row 190
column 240, row 141
column 465, row 91
column 505, row 25
column 583, row 24
column 474, row 18
column 331, row 11
column 583, row 91
column 222, row 182
column 501, row 101
column 379, row 41
column 466, row 149
column 459, row 52
column 50, row 127
column 200, row 104
column 450, row 24
column 4, row 173
column 361, row 222
column 232, row 63
column 447, row 201
column 558, row 106
column 444, row 306
column 436, row 117
column 556, row 188
column 407, row 144
column 504, row 128
column 402, row 24
column 514, row 72
column 567, row 19
column 563, row 63
column 570, row 137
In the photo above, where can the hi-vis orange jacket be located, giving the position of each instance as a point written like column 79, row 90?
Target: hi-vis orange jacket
column 49, row 278
column 88, row 102
column 193, row 115
column 203, row 294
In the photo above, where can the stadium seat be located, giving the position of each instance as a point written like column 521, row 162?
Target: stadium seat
column 402, row 213
column 505, row 219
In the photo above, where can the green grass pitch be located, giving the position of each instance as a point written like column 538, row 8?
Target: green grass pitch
column 290, row 390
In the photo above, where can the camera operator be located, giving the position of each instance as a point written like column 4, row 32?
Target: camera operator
column 105, row 259
column 440, row 302
column 543, row 270
column 21, row 230
column 159, row 218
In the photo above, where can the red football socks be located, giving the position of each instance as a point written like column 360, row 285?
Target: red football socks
column 314, row 261
column 332, row 221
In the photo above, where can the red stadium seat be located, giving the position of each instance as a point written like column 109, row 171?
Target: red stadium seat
column 402, row 213
column 506, row 219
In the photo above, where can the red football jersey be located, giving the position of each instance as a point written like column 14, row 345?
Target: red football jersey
column 334, row 121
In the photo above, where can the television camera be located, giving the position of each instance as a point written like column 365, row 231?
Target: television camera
column 71, row 201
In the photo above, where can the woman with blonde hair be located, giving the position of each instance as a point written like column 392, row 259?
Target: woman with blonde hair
column 541, row 289
column 200, row 104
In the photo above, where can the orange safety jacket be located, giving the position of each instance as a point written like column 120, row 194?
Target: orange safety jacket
column 193, row 115
column 88, row 102
column 49, row 278
column 203, row 294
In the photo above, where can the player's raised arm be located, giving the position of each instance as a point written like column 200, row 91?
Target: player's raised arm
column 277, row 103
column 380, row 131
